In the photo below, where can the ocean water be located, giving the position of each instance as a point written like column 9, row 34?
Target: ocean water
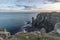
column 13, row 21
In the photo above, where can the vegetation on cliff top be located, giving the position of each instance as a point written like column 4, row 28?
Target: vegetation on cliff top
column 34, row 36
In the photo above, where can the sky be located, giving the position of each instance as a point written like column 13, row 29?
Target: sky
column 52, row 5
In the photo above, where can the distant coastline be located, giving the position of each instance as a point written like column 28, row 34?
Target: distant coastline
column 27, row 10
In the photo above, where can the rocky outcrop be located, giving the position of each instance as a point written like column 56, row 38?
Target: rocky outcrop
column 43, row 20
column 57, row 27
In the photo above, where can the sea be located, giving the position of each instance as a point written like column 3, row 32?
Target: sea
column 13, row 21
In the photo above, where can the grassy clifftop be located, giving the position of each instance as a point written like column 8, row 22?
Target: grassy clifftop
column 34, row 36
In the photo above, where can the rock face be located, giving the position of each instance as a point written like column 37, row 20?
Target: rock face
column 1, row 38
column 57, row 27
column 47, row 20
column 27, row 27
column 43, row 30
column 44, row 20
column 53, row 17
column 4, row 35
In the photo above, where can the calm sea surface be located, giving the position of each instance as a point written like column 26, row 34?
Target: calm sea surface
column 13, row 21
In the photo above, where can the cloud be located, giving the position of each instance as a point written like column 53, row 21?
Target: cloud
column 29, row 4
column 53, row 0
